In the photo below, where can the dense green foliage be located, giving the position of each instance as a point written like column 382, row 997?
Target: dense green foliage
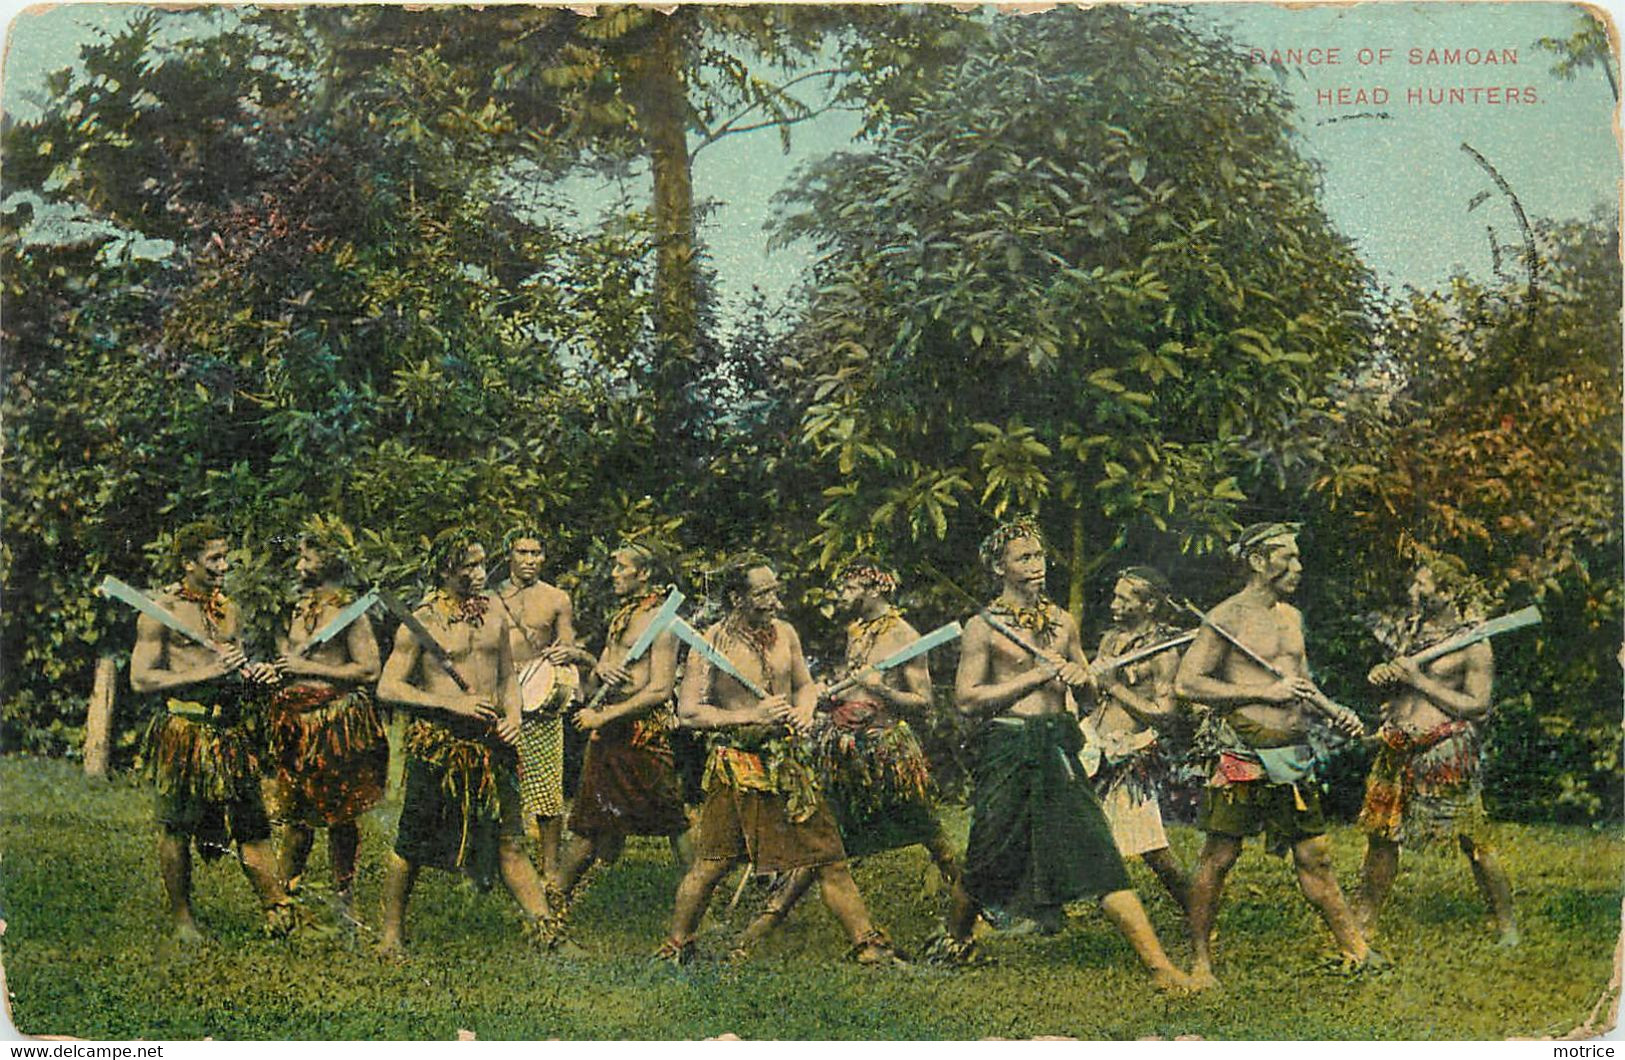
column 83, row 905
column 313, row 266
column 1043, row 288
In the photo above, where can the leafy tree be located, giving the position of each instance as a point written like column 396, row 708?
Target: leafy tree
column 1047, row 288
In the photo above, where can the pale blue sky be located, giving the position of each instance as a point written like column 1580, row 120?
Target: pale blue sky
column 1400, row 185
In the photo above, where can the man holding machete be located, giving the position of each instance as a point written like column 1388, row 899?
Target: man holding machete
column 1038, row 836
column 1134, row 704
column 329, row 755
column 871, row 766
column 1248, row 665
column 746, row 682
column 453, row 665
column 201, row 750
column 1424, row 789
column 629, row 783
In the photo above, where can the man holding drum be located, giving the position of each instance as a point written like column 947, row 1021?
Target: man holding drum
column 544, row 653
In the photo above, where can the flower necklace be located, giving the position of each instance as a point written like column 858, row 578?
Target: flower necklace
column 470, row 609
column 212, row 604
column 623, row 615
column 1040, row 619
column 863, row 633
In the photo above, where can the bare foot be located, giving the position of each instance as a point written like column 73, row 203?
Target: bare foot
column 392, row 950
column 1509, row 936
column 187, row 932
column 1171, row 980
column 1202, row 978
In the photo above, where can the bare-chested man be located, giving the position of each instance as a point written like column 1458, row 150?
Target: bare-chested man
column 1038, row 837
column 539, row 615
column 629, row 783
column 199, row 750
column 1264, row 778
column 1134, row 703
column 873, row 771
column 762, row 800
column 1424, row 789
column 329, row 756
column 461, row 809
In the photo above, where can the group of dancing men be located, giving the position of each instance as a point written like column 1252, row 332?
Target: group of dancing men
column 799, row 775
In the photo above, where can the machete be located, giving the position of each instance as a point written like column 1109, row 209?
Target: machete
column 939, row 636
column 691, row 636
column 339, row 623
column 656, row 626
column 1101, row 667
column 1529, row 616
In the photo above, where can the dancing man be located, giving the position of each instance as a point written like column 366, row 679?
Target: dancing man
column 1264, row 779
column 762, row 800
column 1425, row 789
column 329, row 755
column 1038, row 837
column 201, row 751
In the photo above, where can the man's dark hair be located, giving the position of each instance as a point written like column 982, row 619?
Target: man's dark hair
column 449, row 550
column 1260, row 539
column 734, row 581
column 519, row 533
column 191, row 539
column 335, row 566
column 1161, row 588
column 645, row 558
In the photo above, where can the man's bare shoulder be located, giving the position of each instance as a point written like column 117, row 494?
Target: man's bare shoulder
column 1230, row 607
column 1289, row 613
column 786, row 630
column 903, row 633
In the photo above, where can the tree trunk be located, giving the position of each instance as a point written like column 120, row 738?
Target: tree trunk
column 661, row 102
column 1075, row 578
column 99, row 718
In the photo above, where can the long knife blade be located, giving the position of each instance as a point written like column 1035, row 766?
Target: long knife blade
column 691, row 636
column 656, row 626
column 1105, row 666
column 114, row 589
column 339, row 623
column 425, row 639
column 913, row 649
column 1528, row 616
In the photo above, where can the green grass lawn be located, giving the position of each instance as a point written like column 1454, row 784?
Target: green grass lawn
column 83, row 954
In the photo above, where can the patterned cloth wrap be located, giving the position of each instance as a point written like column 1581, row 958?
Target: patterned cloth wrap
column 762, row 759
column 201, row 756
column 328, row 752
column 1425, row 787
column 876, row 775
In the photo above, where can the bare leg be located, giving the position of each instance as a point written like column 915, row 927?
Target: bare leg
column 1495, row 887
column 1377, row 876
column 1219, row 853
column 840, row 893
column 296, row 843
column 682, row 848
column 521, row 878
column 778, row 907
column 550, row 830
column 175, row 867
column 1313, row 858
column 942, row 854
column 343, row 843
column 399, row 877
column 694, row 894
column 578, row 856
column 259, row 865
column 1124, row 910
column 1171, row 873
